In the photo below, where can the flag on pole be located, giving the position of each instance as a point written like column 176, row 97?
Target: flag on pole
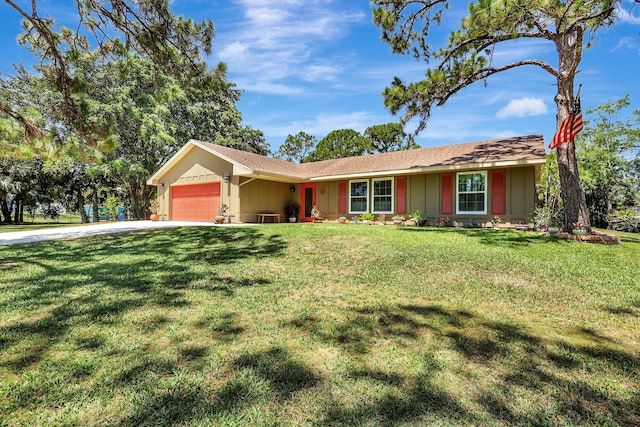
column 570, row 126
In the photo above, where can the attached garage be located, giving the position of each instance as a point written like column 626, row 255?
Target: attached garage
column 197, row 202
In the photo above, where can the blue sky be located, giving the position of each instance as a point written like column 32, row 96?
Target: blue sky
column 319, row 65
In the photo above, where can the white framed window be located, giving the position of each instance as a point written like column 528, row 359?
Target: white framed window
column 383, row 195
column 359, row 196
column 471, row 195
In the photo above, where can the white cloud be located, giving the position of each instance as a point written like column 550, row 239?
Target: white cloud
column 522, row 108
column 323, row 123
column 631, row 43
column 625, row 14
column 235, row 52
column 314, row 73
column 269, row 88
column 280, row 41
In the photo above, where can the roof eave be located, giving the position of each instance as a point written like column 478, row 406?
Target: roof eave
column 436, row 168
column 239, row 169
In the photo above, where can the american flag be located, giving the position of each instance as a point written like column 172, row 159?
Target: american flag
column 570, row 126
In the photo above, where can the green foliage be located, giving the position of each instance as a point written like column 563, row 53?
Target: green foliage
column 625, row 220
column 550, row 209
column 389, row 137
column 297, row 148
column 339, row 144
column 105, row 31
column 606, row 150
column 111, row 205
column 367, row 216
column 468, row 57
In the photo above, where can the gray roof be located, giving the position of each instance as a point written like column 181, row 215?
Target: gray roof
column 520, row 150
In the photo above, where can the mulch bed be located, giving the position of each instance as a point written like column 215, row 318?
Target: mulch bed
column 603, row 238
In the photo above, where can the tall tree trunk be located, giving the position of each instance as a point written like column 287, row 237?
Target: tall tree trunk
column 569, row 46
column 84, row 218
column 4, row 209
column 94, row 204
column 21, row 212
column 16, row 212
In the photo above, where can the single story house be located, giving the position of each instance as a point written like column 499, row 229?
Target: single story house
column 467, row 183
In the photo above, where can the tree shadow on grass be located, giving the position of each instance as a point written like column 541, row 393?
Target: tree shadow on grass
column 490, row 237
column 100, row 279
column 272, row 375
column 565, row 382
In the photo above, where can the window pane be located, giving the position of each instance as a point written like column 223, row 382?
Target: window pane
column 358, row 205
column 382, row 188
column 382, row 204
column 473, row 202
column 358, row 196
column 359, row 189
column 471, row 182
column 382, row 195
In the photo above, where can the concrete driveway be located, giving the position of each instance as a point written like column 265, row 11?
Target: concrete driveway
column 73, row 232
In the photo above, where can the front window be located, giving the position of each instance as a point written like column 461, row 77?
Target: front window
column 472, row 193
column 383, row 195
column 358, row 196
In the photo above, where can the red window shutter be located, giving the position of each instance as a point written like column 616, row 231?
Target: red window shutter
column 401, row 195
column 497, row 193
column 342, row 197
column 446, row 196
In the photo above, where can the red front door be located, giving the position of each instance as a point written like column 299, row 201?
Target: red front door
column 307, row 200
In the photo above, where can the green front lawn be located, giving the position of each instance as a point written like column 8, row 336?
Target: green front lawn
column 319, row 324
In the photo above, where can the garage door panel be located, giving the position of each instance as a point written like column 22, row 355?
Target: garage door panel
column 198, row 202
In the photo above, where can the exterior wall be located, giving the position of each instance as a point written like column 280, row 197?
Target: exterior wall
column 198, row 167
column 423, row 192
column 521, row 193
column 247, row 197
column 260, row 196
column 327, row 199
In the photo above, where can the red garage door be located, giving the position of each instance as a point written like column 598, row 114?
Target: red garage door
column 199, row 202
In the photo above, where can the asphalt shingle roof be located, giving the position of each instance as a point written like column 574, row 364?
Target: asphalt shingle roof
column 473, row 154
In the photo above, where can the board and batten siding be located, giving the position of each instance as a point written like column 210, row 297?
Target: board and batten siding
column 261, row 196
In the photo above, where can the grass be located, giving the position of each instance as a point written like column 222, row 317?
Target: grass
column 319, row 324
column 37, row 222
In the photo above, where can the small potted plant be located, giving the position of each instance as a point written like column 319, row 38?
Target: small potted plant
column 443, row 221
column 153, row 207
column 342, row 220
column 398, row 219
column 222, row 211
column 496, row 220
column 292, row 210
column 415, row 217
column 366, row 217
column 580, row 229
column 315, row 213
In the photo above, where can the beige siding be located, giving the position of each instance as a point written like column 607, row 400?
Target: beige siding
column 432, row 187
column 521, row 193
column 260, row 196
column 198, row 167
column 416, row 193
column 247, row 197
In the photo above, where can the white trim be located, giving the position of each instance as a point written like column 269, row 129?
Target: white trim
column 154, row 180
column 458, row 193
column 393, row 194
column 349, row 195
column 428, row 169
